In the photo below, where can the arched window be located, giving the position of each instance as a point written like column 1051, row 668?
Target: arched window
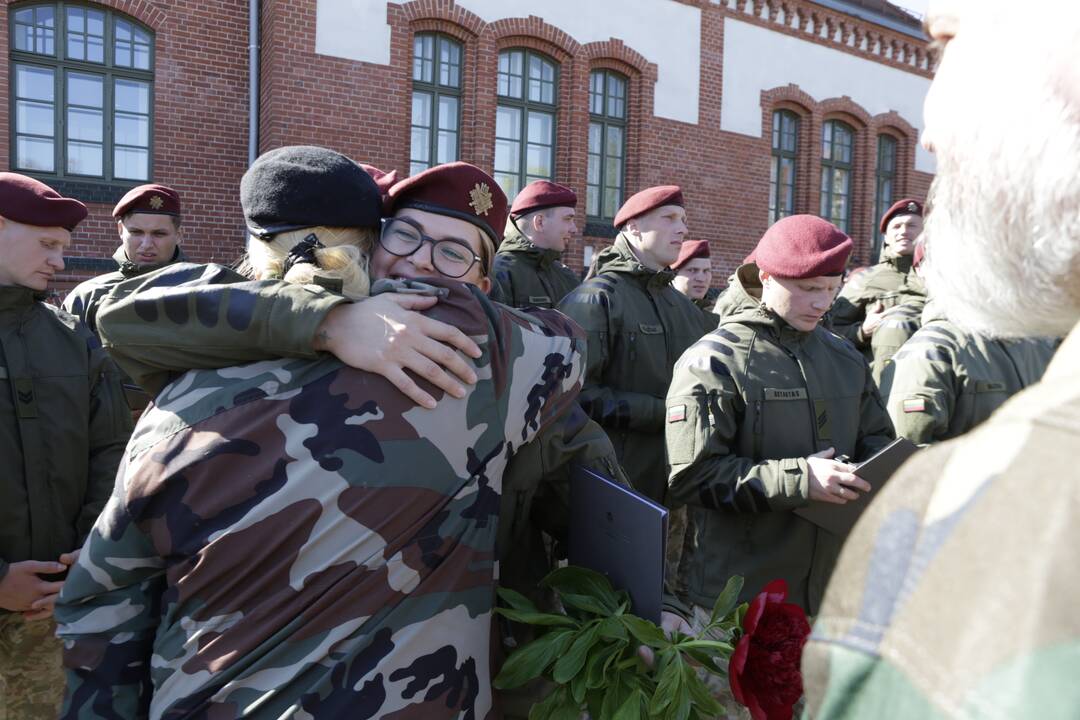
column 525, row 119
column 436, row 101
column 837, row 154
column 884, row 192
column 607, row 144
column 82, row 90
column 785, row 136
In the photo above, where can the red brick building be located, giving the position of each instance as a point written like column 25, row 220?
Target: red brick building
column 758, row 108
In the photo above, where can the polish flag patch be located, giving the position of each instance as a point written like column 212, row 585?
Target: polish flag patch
column 914, row 405
column 676, row 413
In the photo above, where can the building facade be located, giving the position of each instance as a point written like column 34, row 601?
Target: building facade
column 758, row 108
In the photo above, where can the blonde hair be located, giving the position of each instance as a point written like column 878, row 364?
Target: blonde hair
column 345, row 257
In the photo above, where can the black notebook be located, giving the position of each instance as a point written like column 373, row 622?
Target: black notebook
column 876, row 470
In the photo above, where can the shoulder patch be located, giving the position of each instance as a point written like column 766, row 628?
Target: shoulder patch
column 676, row 413
column 914, row 405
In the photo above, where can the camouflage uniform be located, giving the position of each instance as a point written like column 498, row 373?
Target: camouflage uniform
column 898, row 324
column 346, row 568
column 528, row 276
column 638, row 326
column 84, row 299
column 748, row 403
column 948, row 380
column 63, row 424
column 955, row 596
column 881, row 283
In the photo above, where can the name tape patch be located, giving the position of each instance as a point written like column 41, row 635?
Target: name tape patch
column 785, row 393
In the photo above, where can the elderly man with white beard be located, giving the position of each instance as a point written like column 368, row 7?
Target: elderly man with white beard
column 956, row 595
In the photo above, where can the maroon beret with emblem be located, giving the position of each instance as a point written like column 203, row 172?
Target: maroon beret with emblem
column 691, row 249
column 457, row 190
column 154, row 199
column 540, row 194
column 32, row 202
column 385, row 180
column 646, row 200
column 907, row 206
column 803, row 246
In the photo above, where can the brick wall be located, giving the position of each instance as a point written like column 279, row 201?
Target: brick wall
column 362, row 110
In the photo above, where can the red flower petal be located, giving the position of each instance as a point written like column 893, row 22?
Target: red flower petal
column 736, row 665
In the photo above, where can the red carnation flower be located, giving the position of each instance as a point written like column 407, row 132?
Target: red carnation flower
column 764, row 669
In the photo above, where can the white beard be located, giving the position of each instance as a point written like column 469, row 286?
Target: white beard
column 1003, row 232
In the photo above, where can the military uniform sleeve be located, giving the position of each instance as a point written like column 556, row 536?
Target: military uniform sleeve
column 107, row 616
column 925, row 387
column 109, row 430
column 875, row 428
column 613, row 408
column 75, row 304
column 704, row 412
column 188, row 316
column 846, row 318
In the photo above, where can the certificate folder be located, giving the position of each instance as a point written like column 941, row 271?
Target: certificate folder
column 622, row 534
column 876, row 470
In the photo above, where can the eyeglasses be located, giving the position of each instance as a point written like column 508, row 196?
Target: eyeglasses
column 403, row 236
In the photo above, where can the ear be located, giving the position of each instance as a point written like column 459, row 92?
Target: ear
column 120, row 227
column 537, row 221
column 484, row 284
column 763, row 276
column 631, row 228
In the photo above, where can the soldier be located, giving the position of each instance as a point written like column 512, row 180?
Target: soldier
column 693, row 278
column 63, row 432
column 756, row 413
column 528, row 270
column 955, row 597
column 148, row 219
column 638, row 326
column 347, row 567
column 859, row 309
column 898, row 323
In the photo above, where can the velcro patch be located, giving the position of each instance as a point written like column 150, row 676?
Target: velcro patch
column 914, row 405
column 676, row 413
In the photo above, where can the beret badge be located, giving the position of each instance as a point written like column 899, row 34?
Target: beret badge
column 481, row 199
column 156, row 202
column 912, row 207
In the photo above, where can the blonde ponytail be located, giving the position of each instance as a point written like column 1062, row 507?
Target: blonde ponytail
column 344, row 257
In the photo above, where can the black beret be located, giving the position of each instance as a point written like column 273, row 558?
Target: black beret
column 32, row 202
column 304, row 186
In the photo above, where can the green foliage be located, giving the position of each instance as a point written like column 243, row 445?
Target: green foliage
column 593, row 653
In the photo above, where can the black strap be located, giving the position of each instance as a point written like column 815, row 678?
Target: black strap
column 302, row 252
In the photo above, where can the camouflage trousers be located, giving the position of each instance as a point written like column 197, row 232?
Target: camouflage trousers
column 31, row 675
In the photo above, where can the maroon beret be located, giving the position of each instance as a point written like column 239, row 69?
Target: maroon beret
column 385, row 180
column 31, row 202
column 540, row 194
column 907, row 206
column 691, row 249
column 153, row 199
column 646, row 200
column 457, row 190
column 803, row 246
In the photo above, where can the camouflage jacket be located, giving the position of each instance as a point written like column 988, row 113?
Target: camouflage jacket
column 880, row 283
column 638, row 326
column 748, row 403
column 898, row 324
column 947, row 380
column 528, row 276
column 84, row 299
column 63, row 425
column 294, row 538
column 955, row 596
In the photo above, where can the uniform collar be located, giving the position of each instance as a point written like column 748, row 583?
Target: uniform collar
column 15, row 297
column 129, row 269
column 515, row 242
column 621, row 258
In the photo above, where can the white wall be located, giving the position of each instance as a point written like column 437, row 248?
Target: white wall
column 357, row 30
column 756, row 59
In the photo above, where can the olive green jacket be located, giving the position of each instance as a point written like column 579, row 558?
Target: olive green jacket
column 190, row 316
column 898, row 324
column 706, row 305
column 947, row 380
column 528, row 276
column 748, row 404
column 637, row 326
column 63, row 427
column 881, row 283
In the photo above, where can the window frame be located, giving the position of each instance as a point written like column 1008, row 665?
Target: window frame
column 437, row 91
column 880, row 177
column 61, row 66
column 606, row 121
column 778, row 154
column 829, row 166
column 525, row 106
